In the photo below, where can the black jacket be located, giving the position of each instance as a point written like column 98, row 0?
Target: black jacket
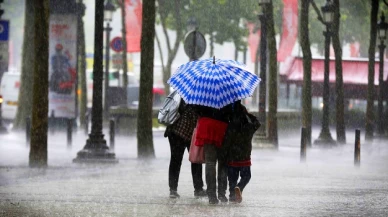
column 222, row 114
column 237, row 144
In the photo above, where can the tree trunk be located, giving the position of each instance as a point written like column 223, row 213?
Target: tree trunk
column 339, row 84
column 273, row 83
column 25, row 92
column 145, row 144
column 171, row 51
column 124, row 36
column 304, row 41
column 371, row 71
column 38, row 151
column 82, row 74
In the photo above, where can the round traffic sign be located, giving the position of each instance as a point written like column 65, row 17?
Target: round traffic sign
column 195, row 44
column 117, row 44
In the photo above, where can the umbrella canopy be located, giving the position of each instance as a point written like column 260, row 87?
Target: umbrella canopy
column 213, row 82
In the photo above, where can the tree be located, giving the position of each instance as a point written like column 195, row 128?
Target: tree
column 304, row 41
column 145, row 144
column 353, row 13
column 170, row 17
column 38, row 151
column 339, row 84
column 209, row 15
column 273, row 75
column 371, row 71
column 25, row 91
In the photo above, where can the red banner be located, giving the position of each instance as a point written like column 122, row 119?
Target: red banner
column 133, row 21
column 253, row 40
column 290, row 29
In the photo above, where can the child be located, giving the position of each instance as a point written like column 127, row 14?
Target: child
column 237, row 148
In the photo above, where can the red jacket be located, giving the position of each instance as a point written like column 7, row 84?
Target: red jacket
column 210, row 131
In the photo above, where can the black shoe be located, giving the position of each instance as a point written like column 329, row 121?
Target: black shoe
column 232, row 200
column 174, row 194
column 222, row 198
column 200, row 193
column 213, row 200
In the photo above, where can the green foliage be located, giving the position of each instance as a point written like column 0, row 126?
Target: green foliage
column 354, row 24
column 224, row 19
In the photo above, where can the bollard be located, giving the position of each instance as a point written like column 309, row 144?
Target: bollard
column 69, row 131
column 28, row 131
column 112, row 134
column 52, row 122
column 303, row 144
column 357, row 149
column 86, row 123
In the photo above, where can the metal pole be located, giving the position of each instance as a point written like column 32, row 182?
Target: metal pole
column 79, row 29
column 96, row 148
column 86, row 124
column 28, row 131
column 357, row 149
column 325, row 136
column 303, row 145
column 3, row 129
column 107, row 56
column 52, row 122
column 245, row 54
column 192, row 58
column 263, row 74
column 380, row 122
column 112, row 134
column 69, row 132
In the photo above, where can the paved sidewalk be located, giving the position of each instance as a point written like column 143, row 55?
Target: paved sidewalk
column 328, row 184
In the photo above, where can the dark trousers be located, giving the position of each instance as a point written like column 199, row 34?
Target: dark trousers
column 212, row 155
column 233, row 173
column 177, row 147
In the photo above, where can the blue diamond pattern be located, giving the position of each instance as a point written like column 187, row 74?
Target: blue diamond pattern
column 214, row 85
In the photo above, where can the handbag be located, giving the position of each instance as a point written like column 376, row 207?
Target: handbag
column 196, row 153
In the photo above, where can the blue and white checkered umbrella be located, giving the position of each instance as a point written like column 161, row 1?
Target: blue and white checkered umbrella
column 213, row 82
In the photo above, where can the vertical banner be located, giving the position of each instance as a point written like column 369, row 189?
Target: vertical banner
column 62, row 65
column 253, row 40
column 133, row 21
column 290, row 29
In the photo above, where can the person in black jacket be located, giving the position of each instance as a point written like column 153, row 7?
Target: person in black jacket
column 179, row 136
column 237, row 148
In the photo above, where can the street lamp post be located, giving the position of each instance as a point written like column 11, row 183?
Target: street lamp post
column 382, row 33
column 96, row 150
column 80, row 13
column 325, row 136
column 263, row 67
column 108, row 15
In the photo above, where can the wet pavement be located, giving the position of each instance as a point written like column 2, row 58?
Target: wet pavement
column 327, row 184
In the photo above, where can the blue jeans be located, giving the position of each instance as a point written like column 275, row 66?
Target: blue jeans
column 233, row 174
